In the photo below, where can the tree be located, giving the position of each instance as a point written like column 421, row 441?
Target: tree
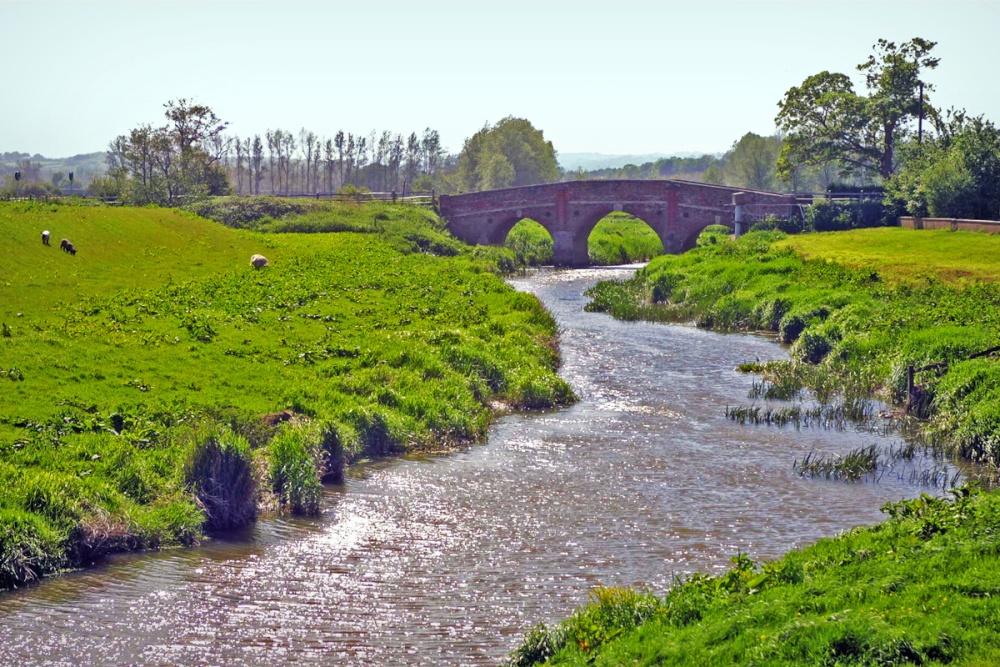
column 954, row 175
column 750, row 163
column 826, row 121
column 180, row 159
column 510, row 153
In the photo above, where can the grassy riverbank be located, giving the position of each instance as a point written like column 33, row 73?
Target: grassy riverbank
column 617, row 239
column 858, row 308
column 134, row 374
column 922, row 588
column 894, row 298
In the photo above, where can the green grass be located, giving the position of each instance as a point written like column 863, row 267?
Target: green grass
column 922, row 588
column 115, row 361
column 904, row 256
column 617, row 239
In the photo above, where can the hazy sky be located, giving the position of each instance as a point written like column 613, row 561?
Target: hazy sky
column 609, row 77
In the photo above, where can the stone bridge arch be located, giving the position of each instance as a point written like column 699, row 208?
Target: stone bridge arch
column 676, row 210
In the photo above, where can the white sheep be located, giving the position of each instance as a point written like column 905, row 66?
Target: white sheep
column 45, row 237
column 258, row 261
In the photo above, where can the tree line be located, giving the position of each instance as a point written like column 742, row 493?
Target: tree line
column 283, row 163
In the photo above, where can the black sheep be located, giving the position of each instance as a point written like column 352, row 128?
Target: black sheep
column 67, row 246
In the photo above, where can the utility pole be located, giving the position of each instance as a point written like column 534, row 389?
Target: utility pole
column 920, row 118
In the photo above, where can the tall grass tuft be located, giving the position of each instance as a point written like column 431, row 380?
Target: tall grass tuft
column 219, row 471
column 29, row 548
column 295, row 471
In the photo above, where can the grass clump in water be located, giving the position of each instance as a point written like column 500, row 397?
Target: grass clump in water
column 219, row 471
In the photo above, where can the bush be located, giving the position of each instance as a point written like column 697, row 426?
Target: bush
column 219, row 472
column 836, row 215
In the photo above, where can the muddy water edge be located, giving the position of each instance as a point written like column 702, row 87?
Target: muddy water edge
column 448, row 560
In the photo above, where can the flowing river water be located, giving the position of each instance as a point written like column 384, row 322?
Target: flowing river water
column 448, row 560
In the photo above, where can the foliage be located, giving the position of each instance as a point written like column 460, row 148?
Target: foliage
column 919, row 588
column 508, row 154
column 145, row 362
column 168, row 164
column 838, row 215
column 956, row 175
column 295, row 470
column 619, row 238
column 865, row 306
column 751, row 162
column 827, row 122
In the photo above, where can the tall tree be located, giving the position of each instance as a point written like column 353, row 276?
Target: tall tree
column 510, row 153
column 826, row 121
column 751, row 162
column 180, row 159
column 257, row 160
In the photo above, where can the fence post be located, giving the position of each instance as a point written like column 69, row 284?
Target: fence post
column 909, row 387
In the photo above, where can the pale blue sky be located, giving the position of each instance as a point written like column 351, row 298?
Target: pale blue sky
column 609, row 77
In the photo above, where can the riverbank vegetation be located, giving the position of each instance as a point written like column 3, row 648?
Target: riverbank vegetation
column 154, row 385
column 862, row 323
column 858, row 309
column 920, row 588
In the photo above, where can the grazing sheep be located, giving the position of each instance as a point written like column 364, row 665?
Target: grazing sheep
column 67, row 246
column 258, row 261
column 45, row 237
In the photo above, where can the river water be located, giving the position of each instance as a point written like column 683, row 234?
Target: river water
column 448, row 560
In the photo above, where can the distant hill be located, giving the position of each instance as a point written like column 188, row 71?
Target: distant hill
column 84, row 167
column 591, row 161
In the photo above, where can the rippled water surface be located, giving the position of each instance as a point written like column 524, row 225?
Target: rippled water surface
column 448, row 560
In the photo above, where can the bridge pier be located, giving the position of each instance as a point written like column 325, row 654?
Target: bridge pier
column 568, row 251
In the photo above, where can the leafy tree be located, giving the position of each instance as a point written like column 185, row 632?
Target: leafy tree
column 826, row 121
column 955, row 175
column 510, row 153
column 180, row 159
column 751, row 162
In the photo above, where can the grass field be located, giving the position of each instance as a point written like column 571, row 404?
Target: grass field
column 902, row 256
column 138, row 368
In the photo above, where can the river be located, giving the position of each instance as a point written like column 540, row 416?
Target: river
column 447, row 560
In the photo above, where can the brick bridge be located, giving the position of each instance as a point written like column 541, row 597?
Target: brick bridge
column 676, row 210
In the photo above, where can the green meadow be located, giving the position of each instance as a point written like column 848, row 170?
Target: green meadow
column 134, row 375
